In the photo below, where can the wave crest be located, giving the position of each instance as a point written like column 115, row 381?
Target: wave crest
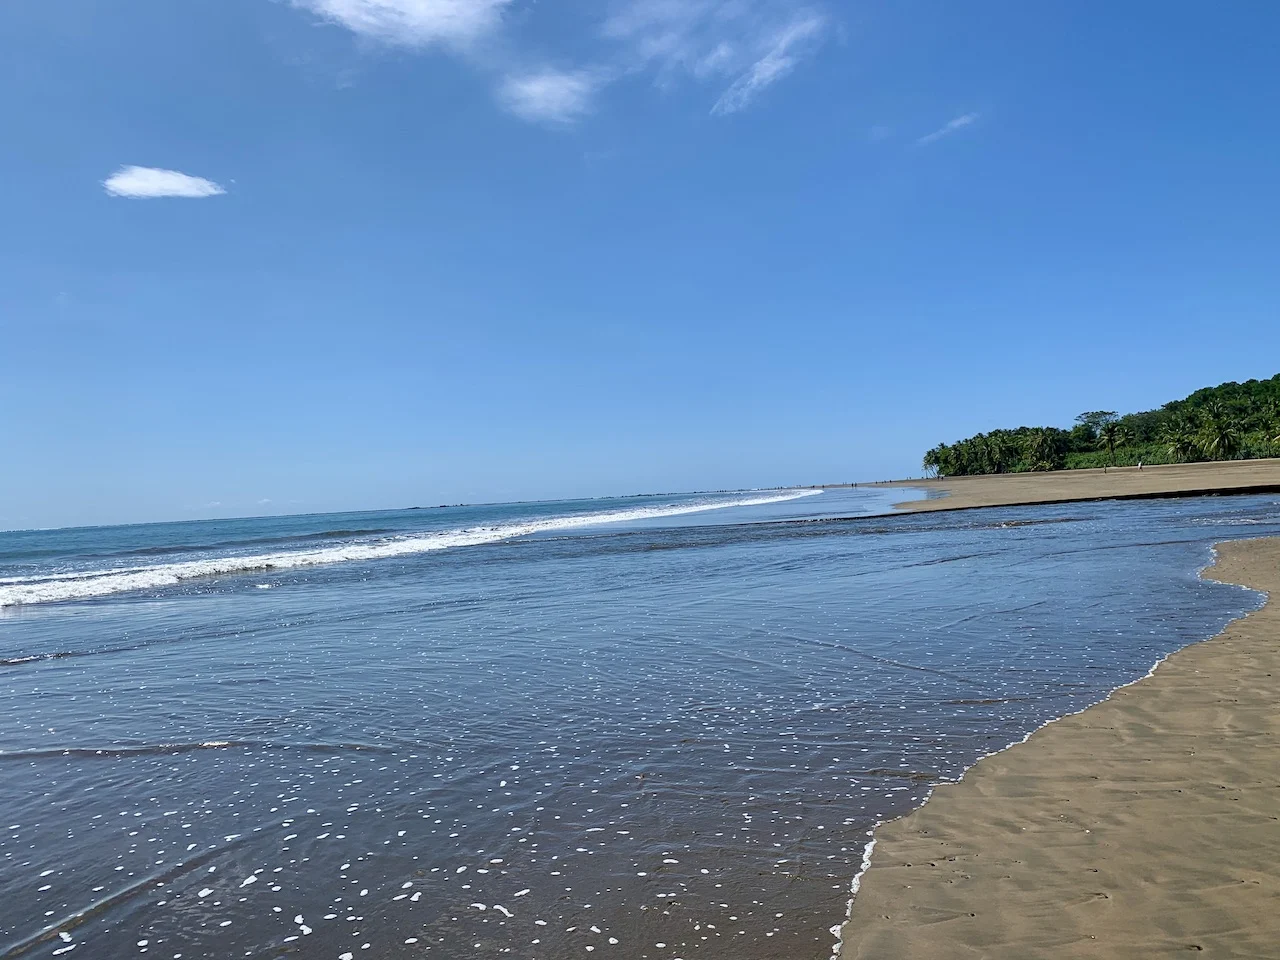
column 100, row 583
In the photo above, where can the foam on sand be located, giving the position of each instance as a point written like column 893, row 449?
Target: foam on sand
column 1172, row 776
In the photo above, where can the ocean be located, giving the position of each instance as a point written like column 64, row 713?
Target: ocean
column 649, row 727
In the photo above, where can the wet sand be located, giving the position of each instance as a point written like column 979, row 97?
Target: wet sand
column 1146, row 826
column 1063, row 486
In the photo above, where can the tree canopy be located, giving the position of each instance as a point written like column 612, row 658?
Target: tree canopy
column 1226, row 422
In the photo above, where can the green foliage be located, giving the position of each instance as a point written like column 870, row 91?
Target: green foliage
column 1178, row 438
column 1045, row 448
column 1229, row 421
column 1095, row 420
column 1082, row 435
column 1145, row 453
column 1110, row 437
column 1219, row 437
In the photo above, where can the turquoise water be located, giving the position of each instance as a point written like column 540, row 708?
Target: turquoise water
column 650, row 727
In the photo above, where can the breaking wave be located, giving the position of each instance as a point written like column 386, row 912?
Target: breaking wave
column 83, row 585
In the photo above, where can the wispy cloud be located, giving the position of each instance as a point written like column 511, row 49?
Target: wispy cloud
column 750, row 44
column 772, row 67
column 413, row 23
column 741, row 46
column 549, row 96
column 147, row 183
column 959, row 123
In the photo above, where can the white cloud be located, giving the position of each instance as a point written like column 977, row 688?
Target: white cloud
column 145, row 183
column 413, row 23
column 549, row 96
column 743, row 46
column 772, row 67
column 750, row 43
column 959, row 123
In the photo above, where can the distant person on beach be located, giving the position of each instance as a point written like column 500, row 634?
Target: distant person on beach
column 1139, row 464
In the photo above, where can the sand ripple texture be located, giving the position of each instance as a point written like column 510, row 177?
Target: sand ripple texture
column 1146, row 826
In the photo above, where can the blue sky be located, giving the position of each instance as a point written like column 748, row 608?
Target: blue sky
column 429, row 251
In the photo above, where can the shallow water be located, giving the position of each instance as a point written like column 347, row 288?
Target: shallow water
column 663, row 736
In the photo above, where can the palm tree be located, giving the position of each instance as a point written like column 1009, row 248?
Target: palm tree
column 1000, row 450
column 1272, row 428
column 933, row 460
column 982, row 454
column 1124, row 436
column 1178, row 440
column 1220, row 439
column 1213, row 412
column 1109, row 437
column 1042, row 450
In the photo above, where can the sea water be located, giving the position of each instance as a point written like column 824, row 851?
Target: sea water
column 654, row 727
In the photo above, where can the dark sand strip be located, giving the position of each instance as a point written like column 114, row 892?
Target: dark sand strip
column 1146, row 826
column 1067, row 486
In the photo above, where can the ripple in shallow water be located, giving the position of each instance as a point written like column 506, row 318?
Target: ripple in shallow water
column 555, row 748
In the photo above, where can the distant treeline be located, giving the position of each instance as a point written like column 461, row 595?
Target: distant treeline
column 1232, row 421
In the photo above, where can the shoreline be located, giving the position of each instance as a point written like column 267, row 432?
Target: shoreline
column 1105, row 833
column 1219, row 478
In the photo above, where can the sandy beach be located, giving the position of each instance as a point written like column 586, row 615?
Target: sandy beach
column 1146, row 826
column 1063, row 486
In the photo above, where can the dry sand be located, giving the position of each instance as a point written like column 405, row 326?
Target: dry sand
column 1146, row 826
column 1061, row 486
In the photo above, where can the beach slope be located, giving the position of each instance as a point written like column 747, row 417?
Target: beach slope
column 1065, row 486
column 1146, row 826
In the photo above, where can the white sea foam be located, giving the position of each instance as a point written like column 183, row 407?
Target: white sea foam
column 838, row 929
column 99, row 583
